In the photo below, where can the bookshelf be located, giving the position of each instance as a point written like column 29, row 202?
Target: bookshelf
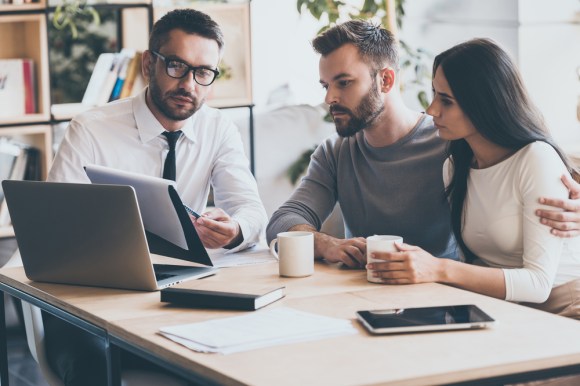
column 24, row 36
column 24, row 31
column 37, row 5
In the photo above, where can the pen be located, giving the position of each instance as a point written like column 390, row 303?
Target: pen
column 191, row 211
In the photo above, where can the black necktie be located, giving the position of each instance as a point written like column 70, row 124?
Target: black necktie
column 169, row 167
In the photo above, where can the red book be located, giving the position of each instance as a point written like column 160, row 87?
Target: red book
column 17, row 87
column 29, row 89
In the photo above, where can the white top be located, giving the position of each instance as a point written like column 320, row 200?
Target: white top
column 126, row 135
column 501, row 228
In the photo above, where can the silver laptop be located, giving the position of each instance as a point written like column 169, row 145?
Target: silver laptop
column 86, row 234
column 168, row 227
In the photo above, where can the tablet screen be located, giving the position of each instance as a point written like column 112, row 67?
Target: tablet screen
column 424, row 319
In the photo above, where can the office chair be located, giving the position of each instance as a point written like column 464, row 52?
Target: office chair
column 35, row 338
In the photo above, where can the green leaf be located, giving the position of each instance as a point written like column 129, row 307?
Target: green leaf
column 423, row 100
column 96, row 18
column 369, row 6
column 321, row 30
column 74, row 31
column 298, row 167
column 299, row 4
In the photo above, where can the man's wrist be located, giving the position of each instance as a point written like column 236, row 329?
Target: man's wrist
column 236, row 240
column 320, row 239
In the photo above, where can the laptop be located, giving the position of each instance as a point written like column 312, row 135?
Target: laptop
column 87, row 234
column 168, row 227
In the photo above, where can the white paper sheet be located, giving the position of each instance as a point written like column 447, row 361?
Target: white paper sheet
column 255, row 330
column 258, row 254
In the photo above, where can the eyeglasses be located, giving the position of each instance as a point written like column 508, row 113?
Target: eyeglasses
column 176, row 69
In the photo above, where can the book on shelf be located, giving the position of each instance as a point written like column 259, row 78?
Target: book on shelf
column 9, row 152
column 222, row 295
column 113, row 77
column 25, row 164
column 133, row 72
column 121, row 75
column 98, row 76
column 139, row 84
column 32, row 170
column 17, row 87
column 29, row 87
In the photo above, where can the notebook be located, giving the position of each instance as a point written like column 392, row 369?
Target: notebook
column 86, row 234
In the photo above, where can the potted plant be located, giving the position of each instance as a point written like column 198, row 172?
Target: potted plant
column 68, row 12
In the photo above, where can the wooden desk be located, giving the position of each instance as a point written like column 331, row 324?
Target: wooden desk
column 525, row 344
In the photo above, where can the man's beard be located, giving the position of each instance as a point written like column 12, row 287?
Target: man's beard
column 160, row 101
column 365, row 114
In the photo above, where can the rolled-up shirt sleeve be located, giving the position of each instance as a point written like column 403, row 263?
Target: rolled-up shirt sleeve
column 312, row 202
column 235, row 189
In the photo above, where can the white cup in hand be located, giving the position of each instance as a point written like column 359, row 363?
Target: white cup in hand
column 295, row 253
column 380, row 243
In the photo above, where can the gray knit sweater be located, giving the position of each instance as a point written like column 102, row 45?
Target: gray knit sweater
column 392, row 190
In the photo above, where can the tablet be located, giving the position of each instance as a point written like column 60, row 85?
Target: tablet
column 403, row 320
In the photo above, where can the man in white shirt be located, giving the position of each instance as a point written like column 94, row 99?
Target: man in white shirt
column 136, row 135
column 128, row 135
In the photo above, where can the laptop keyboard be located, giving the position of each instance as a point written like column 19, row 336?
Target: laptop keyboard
column 162, row 271
column 161, row 276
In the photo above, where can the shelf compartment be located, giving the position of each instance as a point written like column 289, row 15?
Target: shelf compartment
column 39, row 136
column 37, row 5
column 24, row 36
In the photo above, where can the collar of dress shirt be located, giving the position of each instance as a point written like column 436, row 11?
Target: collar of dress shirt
column 150, row 128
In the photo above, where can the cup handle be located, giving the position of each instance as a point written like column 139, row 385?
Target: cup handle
column 273, row 249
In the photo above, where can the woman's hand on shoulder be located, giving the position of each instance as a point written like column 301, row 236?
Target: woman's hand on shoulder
column 563, row 223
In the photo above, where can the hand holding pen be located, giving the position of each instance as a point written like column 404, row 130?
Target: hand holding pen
column 191, row 212
column 217, row 229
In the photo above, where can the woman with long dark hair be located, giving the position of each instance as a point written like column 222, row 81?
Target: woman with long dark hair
column 501, row 161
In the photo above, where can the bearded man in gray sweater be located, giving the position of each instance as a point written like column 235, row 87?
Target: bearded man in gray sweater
column 384, row 165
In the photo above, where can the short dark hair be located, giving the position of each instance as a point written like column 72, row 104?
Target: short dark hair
column 190, row 21
column 374, row 43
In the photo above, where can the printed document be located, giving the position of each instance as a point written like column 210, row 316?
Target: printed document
column 258, row 254
column 255, row 330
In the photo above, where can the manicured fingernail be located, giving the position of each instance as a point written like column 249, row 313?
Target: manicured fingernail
column 543, row 221
column 542, row 200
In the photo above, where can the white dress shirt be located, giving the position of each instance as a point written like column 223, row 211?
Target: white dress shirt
column 126, row 135
column 502, row 229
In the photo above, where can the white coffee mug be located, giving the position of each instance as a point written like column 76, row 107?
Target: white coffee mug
column 295, row 253
column 380, row 243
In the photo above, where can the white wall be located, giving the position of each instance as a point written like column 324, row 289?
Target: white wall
column 281, row 51
column 542, row 36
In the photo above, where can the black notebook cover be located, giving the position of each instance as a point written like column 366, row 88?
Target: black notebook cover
column 204, row 298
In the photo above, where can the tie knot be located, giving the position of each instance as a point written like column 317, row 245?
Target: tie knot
column 172, row 137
